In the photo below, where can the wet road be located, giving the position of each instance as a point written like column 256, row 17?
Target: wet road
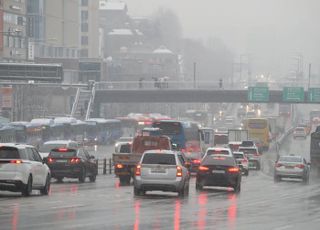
column 262, row 204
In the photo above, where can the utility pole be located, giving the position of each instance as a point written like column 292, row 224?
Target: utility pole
column 194, row 74
column 309, row 77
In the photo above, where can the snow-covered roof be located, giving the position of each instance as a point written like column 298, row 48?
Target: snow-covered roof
column 65, row 120
column 41, row 121
column 120, row 32
column 112, row 5
column 162, row 50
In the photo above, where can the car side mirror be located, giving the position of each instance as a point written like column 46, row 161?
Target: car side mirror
column 44, row 160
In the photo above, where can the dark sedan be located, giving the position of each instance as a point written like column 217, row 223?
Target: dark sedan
column 220, row 171
column 72, row 163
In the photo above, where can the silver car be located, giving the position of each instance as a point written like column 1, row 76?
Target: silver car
column 162, row 170
column 291, row 166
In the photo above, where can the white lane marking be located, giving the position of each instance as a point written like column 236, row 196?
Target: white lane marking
column 284, row 227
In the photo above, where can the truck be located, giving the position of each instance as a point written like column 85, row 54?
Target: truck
column 236, row 136
column 315, row 150
column 125, row 163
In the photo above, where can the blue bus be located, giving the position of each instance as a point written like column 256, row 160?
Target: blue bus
column 185, row 134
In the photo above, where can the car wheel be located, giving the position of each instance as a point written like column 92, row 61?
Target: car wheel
column 258, row 166
column 138, row 192
column 305, row 179
column 246, row 173
column 199, row 186
column 59, row 179
column 26, row 191
column 237, row 187
column 82, row 177
column 93, row 178
column 45, row 190
column 276, row 178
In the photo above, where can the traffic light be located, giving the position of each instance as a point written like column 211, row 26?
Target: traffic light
column 220, row 83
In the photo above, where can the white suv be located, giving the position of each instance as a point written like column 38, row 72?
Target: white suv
column 22, row 169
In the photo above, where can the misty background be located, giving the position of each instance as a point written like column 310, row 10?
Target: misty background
column 273, row 37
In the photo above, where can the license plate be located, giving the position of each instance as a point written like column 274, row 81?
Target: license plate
column 123, row 157
column 289, row 167
column 158, row 171
column 61, row 161
column 218, row 171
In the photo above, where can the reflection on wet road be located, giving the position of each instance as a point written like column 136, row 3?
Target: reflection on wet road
column 262, row 204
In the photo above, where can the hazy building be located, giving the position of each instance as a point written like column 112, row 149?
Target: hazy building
column 13, row 31
column 54, row 34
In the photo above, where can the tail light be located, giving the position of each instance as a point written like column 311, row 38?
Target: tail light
column 75, row 160
column 50, row 160
column 301, row 166
column 233, row 170
column 16, row 161
column 196, row 161
column 119, row 166
column 278, row 165
column 203, row 168
column 138, row 170
column 179, row 171
column 62, row 149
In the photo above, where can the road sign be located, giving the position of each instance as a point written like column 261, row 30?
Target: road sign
column 293, row 94
column 314, row 94
column 258, row 94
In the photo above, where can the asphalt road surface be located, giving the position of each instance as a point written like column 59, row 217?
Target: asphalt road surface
column 262, row 204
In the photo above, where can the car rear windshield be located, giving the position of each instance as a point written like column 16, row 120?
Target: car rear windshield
column 61, row 154
column 214, row 151
column 48, row 147
column 238, row 155
column 218, row 160
column 290, row 159
column 159, row 158
column 248, row 151
column 9, row 153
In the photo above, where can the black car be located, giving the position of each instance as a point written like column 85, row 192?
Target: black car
column 72, row 163
column 219, row 170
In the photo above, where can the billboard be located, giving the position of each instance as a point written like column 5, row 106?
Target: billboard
column 6, row 97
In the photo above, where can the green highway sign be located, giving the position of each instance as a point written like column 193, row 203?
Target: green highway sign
column 293, row 94
column 258, row 94
column 314, row 94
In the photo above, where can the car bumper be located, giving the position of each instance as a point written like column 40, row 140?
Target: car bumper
column 73, row 172
column 290, row 173
column 11, row 185
column 218, row 180
column 158, row 185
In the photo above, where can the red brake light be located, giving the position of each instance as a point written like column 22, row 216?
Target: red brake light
column 50, row 160
column 119, row 166
column 138, row 170
column 233, row 170
column 75, row 160
column 196, row 161
column 179, row 171
column 62, row 149
column 16, row 161
column 203, row 168
column 301, row 166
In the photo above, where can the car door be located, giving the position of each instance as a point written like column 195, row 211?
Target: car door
column 41, row 167
column 34, row 166
column 83, row 159
column 90, row 162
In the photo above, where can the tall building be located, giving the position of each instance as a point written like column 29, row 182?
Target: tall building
column 54, row 32
column 13, row 38
column 89, row 29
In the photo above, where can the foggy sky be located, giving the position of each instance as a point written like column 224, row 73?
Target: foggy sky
column 270, row 30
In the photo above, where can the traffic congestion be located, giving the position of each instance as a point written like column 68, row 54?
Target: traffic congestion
column 184, row 162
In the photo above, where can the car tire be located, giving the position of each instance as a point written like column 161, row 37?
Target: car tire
column 59, row 179
column 305, row 179
column 258, row 166
column 93, row 178
column 199, row 187
column 138, row 192
column 237, row 187
column 45, row 190
column 27, row 189
column 246, row 172
column 82, row 177
column 276, row 178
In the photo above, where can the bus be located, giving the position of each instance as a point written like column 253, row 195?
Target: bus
column 185, row 134
column 259, row 131
column 7, row 134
